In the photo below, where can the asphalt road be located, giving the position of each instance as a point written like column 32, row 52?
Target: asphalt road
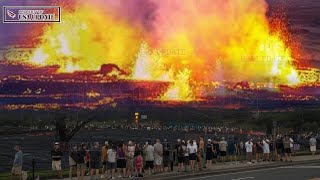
column 297, row 172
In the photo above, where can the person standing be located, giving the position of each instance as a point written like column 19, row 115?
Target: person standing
column 192, row 149
column 121, row 161
column 56, row 155
column 81, row 166
column 249, row 147
column 166, row 156
column 201, row 153
column 104, row 159
column 313, row 145
column 158, row 153
column 111, row 161
column 73, row 161
column 209, row 154
column 259, row 150
column 223, row 149
column 287, row 149
column 17, row 164
column 180, row 155
column 280, row 148
column 266, row 149
column 186, row 160
column 130, row 159
column 232, row 150
column 149, row 152
column 95, row 159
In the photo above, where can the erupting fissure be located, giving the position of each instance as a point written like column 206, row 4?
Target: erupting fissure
column 234, row 31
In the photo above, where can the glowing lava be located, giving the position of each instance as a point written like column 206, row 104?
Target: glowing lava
column 234, row 31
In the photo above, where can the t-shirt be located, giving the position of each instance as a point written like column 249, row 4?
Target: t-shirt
column 18, row 158
column 56, row 155
column 149, row 150
column 192, row 149
column 81, row 155
column 223, row 145
column 231, row 146
column 104, row 153
column 131, row 150
column 313, row 141
column 95, row 155
column 111, row 155
column 209, row 148
column 166, row 151
column 120, row 153
column 158, row 148
column 248, row 146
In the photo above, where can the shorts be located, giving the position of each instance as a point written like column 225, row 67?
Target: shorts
column 279, row 151
column 180, row 160
column 166, row 160
column 287, row 150
column 56, row 165
column 186, row 160
column 94, row 165
column 313, row 148
column 149, row 164
column 223, row 153
column 111, row 165
column 121, row 163
column 209, row 156
column 104, row 163
column 130, row 163
column 16, row 170
column 81, row 166
column 158, row 161
column 192, row 156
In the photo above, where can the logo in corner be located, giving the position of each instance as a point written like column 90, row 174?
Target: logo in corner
column 11, row 14
column 31, row 14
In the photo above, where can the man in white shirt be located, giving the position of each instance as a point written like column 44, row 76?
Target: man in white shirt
column 248, row 146
column 266, row 149
column 149, row 151
column 313, row 145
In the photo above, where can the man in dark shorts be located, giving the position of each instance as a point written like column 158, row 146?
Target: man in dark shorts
column 149, row 156
column 56, row 155
column 95, row 160
column 223, row 149
column 166, row 156
column 180, row 155
column 287, row 149
column 280, row 148
column 209, row 154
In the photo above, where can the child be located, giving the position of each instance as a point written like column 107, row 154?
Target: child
column 139, row 165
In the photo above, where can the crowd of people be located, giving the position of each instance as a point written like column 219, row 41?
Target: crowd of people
column 132, row 159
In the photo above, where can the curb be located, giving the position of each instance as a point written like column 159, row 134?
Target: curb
column 229, row 170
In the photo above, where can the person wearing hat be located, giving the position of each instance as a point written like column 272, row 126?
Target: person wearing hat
column 56, row 155
column 209, row 154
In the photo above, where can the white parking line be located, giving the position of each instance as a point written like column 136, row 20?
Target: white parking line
column 300, row 167
column 243, row 178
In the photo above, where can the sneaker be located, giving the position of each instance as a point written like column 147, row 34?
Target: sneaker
column 119, row 176
column 113, row 178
